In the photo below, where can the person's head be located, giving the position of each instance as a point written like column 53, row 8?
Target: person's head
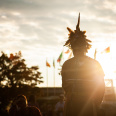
column 30, row 111
column 21, row 101
column 61, row 97
column 77, row 41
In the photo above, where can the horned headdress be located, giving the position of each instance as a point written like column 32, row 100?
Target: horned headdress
column 77, row 38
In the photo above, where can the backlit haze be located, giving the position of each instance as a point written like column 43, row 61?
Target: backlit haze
column 37, row 28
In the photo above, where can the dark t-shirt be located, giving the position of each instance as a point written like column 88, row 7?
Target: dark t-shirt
column 83, row 77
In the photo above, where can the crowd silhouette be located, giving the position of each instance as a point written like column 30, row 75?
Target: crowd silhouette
column 19, row 107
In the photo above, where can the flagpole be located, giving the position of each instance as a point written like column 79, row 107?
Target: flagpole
column 95, row 54
column 54, row 75
column 47, row 78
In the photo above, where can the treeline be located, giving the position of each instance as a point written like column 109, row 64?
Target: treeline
column 16, row 78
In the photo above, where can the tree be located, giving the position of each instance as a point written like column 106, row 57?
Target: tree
column 14, row 73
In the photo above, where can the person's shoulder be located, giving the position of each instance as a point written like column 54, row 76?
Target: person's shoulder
column 95, row 64
column 68, row 61
column 91, row 60
column 57, row 104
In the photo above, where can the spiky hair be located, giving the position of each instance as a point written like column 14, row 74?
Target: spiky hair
column 77, row 38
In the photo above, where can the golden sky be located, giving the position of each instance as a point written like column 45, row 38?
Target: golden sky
column 38, row 29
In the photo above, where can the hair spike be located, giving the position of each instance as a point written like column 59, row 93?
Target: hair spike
column 77, row 38
column 78, row 24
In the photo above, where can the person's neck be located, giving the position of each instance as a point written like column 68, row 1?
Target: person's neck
column 79, row 55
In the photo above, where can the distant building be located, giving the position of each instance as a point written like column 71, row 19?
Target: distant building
column 51, row 91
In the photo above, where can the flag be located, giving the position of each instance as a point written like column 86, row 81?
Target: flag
column 60, row 57
column 107, row 50
column 67, row 51
column 95, row 53
column 53, row 63
column 47, row 64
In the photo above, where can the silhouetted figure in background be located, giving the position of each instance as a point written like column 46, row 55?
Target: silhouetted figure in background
column 59, row 108
column 19, row 103
column 82, row 77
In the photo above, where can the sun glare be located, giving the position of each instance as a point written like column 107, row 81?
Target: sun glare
column 107, row 60
column 7, row 52
column 108, row 63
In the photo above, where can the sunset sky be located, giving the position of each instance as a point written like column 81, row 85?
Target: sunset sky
column 37, row 28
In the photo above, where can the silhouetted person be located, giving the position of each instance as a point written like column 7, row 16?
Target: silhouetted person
column 59, row 107
column 82, row 77
column 29, row 111
column 19, row 103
